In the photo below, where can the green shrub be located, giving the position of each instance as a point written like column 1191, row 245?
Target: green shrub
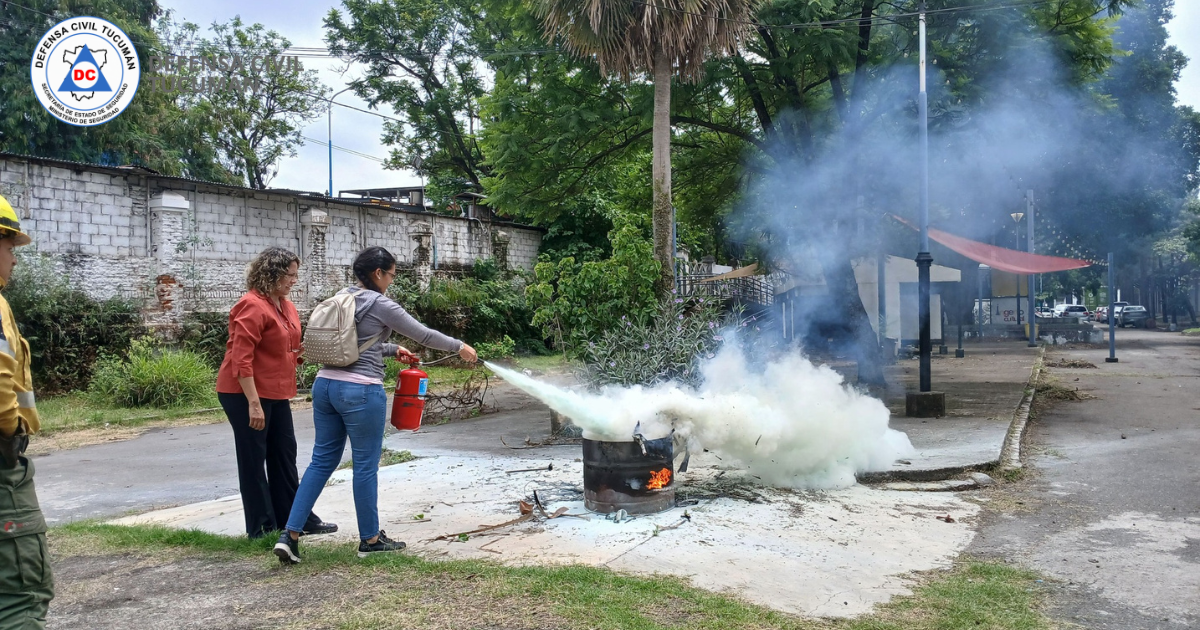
column 577, row 302
column 392, row 369
column 152, row 376
column 307, row 375
column 206, row 335
column 670, row 345
column 67, row 330
column 499, row 350
column 480, row 308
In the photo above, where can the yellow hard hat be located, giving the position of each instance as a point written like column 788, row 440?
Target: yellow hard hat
column 10, row 224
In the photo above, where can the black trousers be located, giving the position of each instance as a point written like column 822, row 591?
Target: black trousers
column 266, row 461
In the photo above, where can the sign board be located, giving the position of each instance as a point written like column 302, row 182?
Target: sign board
column 1004, row 310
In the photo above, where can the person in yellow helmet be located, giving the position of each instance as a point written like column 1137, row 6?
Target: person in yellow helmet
column 26, row 585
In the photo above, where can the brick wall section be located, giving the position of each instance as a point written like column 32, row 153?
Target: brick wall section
column 101, row 228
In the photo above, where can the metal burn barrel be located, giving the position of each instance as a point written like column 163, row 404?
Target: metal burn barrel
column 638, row 476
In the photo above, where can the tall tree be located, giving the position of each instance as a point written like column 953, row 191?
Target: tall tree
column 663, row 38
column 141, row 135
column 422, row 58
column 255, row 100
column 814, row 112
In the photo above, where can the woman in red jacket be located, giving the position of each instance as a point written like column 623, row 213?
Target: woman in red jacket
column 256, row 381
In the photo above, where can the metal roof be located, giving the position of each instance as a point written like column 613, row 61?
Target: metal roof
column 387, row 190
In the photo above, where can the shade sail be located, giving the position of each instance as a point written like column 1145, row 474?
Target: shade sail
column 1001, row 258
column 749, row 270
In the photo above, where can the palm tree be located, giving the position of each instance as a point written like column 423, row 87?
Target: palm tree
column 663, row 38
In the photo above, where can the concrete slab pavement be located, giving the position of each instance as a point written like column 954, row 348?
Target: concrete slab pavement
column 166, row 467
column 842, row 552
column 983, row 392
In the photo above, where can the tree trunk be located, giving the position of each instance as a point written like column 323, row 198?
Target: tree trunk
column 664, row 212
column 843, row 294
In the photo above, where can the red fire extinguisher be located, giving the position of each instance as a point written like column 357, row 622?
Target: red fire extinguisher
column 409, row 403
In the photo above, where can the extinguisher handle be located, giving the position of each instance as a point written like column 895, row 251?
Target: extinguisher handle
column 403, row 355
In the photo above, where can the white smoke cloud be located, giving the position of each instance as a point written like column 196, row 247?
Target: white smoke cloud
column 789, row 422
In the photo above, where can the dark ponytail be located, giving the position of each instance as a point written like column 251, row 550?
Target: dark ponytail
column 370, row 259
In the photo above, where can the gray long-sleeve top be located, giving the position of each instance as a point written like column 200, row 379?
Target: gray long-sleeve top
column 375, row 312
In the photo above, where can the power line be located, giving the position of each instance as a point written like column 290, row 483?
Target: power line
column 318, row 52
column 345, row 150
column 28, row 9
column 855, row 20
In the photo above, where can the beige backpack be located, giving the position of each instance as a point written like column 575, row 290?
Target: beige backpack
column 332, row 334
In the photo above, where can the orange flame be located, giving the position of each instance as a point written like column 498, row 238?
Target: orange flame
column 659, row 479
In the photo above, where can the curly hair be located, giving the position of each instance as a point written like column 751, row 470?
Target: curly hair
column 267, row 270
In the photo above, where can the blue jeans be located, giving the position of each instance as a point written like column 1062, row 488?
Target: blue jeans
column 342, row 409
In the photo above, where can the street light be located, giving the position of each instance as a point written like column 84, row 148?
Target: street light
column 925, row 403
column 1016, row 217
column 330, row 144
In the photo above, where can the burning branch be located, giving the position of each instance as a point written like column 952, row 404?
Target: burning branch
column 659, row 479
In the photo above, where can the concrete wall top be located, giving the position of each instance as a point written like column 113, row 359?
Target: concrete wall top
column 141, row 227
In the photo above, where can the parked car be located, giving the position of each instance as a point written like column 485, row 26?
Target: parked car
column 1132, row 315
column 1043, row 312
column 1102, row 312
column 1077, row 311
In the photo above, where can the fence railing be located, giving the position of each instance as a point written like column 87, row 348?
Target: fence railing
column 694, row 281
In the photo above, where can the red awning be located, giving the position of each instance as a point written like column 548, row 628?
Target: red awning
column 1001, row 258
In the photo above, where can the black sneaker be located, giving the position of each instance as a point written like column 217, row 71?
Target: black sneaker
column 381, row 545
column 320, row 527
column 287, row 549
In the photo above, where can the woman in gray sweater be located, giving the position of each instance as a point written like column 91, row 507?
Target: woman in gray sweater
column 350, row 402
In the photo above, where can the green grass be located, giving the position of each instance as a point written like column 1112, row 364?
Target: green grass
column 450, row 378
column 440, row 377
column 76, row 411
column 973, row 595
column 387, row 458
column 405, row 590
column 1193, row 332
column 544, row 363
column 444, row 378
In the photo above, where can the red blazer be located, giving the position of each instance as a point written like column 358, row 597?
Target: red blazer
column 264, row 343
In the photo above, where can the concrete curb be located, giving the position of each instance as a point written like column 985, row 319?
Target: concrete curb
column 942, row 479
column 1010, row 454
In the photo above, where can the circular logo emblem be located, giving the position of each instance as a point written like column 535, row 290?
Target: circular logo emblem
column 85, row 71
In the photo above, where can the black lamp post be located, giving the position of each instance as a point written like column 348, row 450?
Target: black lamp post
column 925, row 403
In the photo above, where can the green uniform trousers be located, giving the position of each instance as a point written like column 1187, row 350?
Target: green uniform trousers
column 26, row 584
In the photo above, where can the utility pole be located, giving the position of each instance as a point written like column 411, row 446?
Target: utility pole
column 330, row 136
column 924, row 258
column 1016, row 217
column 1112, row 318
column 926, row 403
column 979, row 311
column 1031, row 316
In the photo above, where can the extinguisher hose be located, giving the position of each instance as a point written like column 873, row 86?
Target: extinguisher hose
column 445, row 358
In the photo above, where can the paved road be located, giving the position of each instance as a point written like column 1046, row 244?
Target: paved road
column 168, row 467
column 1111, row 510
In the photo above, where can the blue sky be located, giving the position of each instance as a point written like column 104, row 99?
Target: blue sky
column 300, row 21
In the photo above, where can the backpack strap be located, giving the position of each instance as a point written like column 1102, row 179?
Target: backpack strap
column 358, row 315
column 370, row 342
